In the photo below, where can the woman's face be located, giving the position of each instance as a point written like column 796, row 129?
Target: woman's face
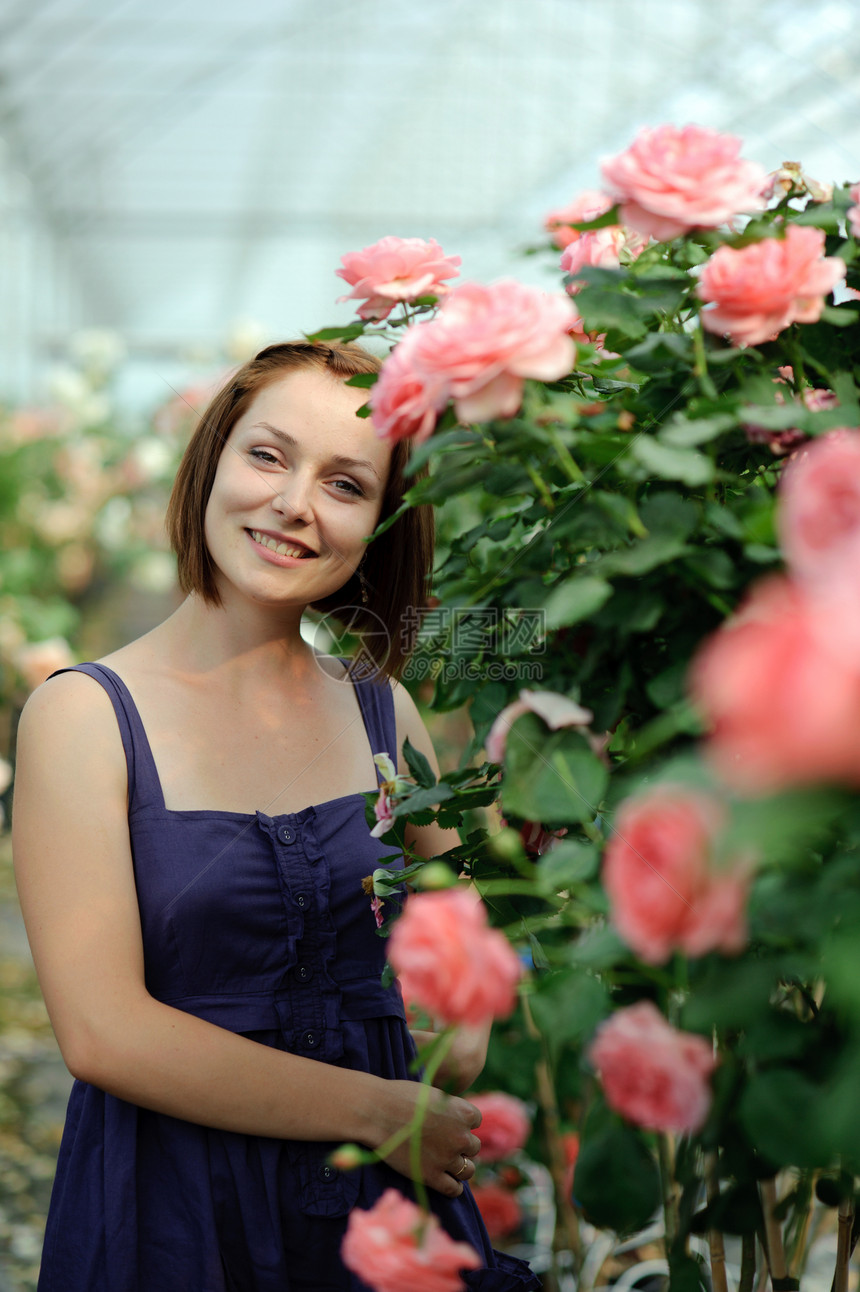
column 298, row 486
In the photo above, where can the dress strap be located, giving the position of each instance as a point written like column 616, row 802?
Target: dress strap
column 376, row 702
column 144, row 787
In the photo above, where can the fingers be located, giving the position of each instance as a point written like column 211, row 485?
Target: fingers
column 474, row 1147
column 456, row 1176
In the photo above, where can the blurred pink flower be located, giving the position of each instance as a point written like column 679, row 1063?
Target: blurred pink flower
column 500, row 1209
column 395, row 269
column 570, row 1145
column 554, row 709
column 395, row 1245
column 671, row 180
column 406, row 400
column 818, row 517
column 384, row 815
column 665, row 891
column 38, row 660
column 791, row 176
column 505, row 1124
column 537, row 840
column 651, row 1073
column 780, row 695
column 450, row 962
column 791, row 437
column 759, row 290
column 602, row 247
column 591, row 203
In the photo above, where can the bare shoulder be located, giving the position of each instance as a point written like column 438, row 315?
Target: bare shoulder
column 411, row 725
column 68, row 736
column 70, row 699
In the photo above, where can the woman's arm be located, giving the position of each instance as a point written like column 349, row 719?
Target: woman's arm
column 75, row 878
column 467, row 1056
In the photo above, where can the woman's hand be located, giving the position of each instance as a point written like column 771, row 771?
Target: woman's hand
column 448, row 1144
column 465, row 1060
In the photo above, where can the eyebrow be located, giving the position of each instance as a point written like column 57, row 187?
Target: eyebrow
column 337, row 459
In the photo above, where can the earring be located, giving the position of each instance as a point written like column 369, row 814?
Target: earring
column 363, row 582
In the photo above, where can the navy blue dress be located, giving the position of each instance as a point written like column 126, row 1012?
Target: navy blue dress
column 260, row 925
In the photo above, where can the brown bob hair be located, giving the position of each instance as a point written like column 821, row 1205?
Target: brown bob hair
column 397, row 565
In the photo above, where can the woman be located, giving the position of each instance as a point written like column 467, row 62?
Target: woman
column 207, row 954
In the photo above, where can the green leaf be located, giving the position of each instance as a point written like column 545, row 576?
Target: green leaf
column 686, row 1273
column 684, row 433
column 665, row 512
column 364, row 380
column 567, row 863
column 660, row 350
column 575, row 599
column 347, row 333
column 551, row 777
column 568, row 1006
column 672, row 463
column 598, row 948
column 778, row 1112
column 609, row 310
column 418, row 765
column 426, row 797
column 616, row 1181
column 642, row 557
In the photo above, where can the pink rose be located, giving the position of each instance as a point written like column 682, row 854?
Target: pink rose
column 500, row 1210
column 665, row 891
column 505, row 1124
column 602, row 247
column 651, row 1073
column 405, row 400
column 482, row 344
column 394, row 1245
column 781, row 700
column 819, row 509
column 450, row 962
column 588, row 206
column 759, row 290
column 38, row 660
column 552, row 708
column 384, row 815
column 670, row 181
column 395, row 269
column 789, row 439
column 486, row 340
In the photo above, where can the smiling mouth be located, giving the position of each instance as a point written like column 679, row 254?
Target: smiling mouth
column 280, row 549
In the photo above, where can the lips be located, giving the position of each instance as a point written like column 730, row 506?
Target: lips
column 282, row 546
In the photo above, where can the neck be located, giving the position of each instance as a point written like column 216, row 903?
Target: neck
column 236, row 641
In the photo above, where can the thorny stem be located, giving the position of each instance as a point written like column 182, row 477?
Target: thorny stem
column 747, row 1263
column 567, row 462
column 551, row 1121
column 716, row 1245
column 700, row 367
column 843, row 1245
column 666, row 1154
column 541, row 486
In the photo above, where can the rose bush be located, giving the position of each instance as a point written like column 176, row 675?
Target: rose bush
column 660, row 543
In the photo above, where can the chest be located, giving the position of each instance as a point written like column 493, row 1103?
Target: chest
column 278, row 756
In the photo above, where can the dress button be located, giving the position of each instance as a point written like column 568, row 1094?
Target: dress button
column 326, row 1173
column 304, row 973
column 311, row 1040
column 286, row 834
column 301, row 899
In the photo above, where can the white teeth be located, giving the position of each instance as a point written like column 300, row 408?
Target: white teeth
column 281, row 549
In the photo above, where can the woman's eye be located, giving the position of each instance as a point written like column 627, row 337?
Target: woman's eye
column 263, row 455
column 347, row 486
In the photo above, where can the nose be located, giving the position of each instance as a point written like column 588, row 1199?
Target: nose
column 293, row 499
